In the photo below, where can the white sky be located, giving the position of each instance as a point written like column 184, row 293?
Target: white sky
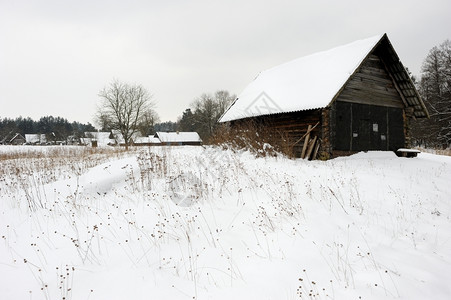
column 55, row 55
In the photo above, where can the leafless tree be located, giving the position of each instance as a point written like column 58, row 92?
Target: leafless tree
column 148, row 121
column 124, row 106
column 206, row 110
column 435, row 89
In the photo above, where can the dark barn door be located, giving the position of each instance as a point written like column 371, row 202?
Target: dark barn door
column 361, row 127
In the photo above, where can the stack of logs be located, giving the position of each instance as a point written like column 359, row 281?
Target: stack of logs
column 311, row 144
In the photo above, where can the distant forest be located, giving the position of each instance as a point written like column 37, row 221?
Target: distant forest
column 57, row 127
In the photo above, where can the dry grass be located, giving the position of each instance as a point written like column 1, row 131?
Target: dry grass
column 32, row 152
column 446, row 152
column 254, row 137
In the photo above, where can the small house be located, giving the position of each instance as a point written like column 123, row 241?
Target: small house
column 17, row 139
column 147, row 141
column 356, row 97
column 179, row 138
column 36, row 139
column 95, row 138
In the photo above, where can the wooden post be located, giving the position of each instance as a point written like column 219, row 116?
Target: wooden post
column 315, row 153
column 307, row 138
column 310, row 148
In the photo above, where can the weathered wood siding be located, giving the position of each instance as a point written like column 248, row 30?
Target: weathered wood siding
column 362, row 127
column 368, row 113
column 371, row 85
column 286, row 129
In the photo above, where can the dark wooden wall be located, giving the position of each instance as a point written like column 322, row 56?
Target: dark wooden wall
column 285, row 129
column 371, row 85
column 368, row 114
column 362, row 127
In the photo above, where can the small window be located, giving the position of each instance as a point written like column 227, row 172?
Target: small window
column 375, row 127
column 383, row 137
column 355, row 134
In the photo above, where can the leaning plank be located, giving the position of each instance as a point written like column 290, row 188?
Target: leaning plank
column 307, row 137
column 310, row 148
column 315, row 153
column 308, row 132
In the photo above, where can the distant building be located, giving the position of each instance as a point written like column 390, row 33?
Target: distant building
column 94, row 138
column 35, row 139
column 179, row 138
column 17, row 139
column 147, row 141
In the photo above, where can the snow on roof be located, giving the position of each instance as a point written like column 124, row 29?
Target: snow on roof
column 308, row 82
column 102, row 138
column 175, row 137
column 17, row 136
column 35, row 138
column 147, row 140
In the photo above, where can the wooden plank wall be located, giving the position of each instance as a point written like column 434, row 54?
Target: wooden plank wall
column 286, row 129
column 371, row 85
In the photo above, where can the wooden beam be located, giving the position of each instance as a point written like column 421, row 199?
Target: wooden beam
column 395, row 83
column 307, row 137
column 310, row 129
column 310, row 148
column 315, row 153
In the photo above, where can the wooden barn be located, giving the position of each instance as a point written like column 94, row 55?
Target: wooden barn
column 356, row 97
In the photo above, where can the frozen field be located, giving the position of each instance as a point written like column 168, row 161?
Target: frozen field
column 207, row 223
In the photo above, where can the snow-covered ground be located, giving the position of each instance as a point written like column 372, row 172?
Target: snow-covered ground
column 207, row 223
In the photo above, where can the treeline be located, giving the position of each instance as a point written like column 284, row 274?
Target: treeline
column 55, row 127
column 434, row 87
column 202, row 116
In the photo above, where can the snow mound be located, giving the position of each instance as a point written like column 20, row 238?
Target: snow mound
column 207, row 223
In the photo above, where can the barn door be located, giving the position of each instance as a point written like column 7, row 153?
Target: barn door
column 363, row 139
column 362, row 127
column 369, row 128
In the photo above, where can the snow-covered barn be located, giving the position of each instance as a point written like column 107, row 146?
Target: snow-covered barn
column 179, row 138
column 355, row 97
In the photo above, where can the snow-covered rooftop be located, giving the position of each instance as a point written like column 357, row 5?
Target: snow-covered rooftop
column 35, row 138
column 305, row 83
column 178, row 137
column 147, row 140
column 102, row 138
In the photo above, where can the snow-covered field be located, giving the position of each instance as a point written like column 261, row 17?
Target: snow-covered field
column 208, row 223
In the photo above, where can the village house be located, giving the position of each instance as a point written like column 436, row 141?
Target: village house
column 95, row 138
column 17, row 139
column 356, row 97
column 147, row 141
column 179, row 138
column 35, row 139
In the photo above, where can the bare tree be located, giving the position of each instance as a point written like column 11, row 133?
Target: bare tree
column 125, row 106
column 435, row 89
column 207, row 109
column 148, row 121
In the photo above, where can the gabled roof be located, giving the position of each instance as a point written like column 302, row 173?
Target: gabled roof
column 178, row 137
column 120, row 138
column 314, row 81
column 146, row 140
column 16, row 137
column 102, row 138
column 35, row 138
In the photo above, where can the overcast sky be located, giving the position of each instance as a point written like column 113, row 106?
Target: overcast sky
column 56, row 55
